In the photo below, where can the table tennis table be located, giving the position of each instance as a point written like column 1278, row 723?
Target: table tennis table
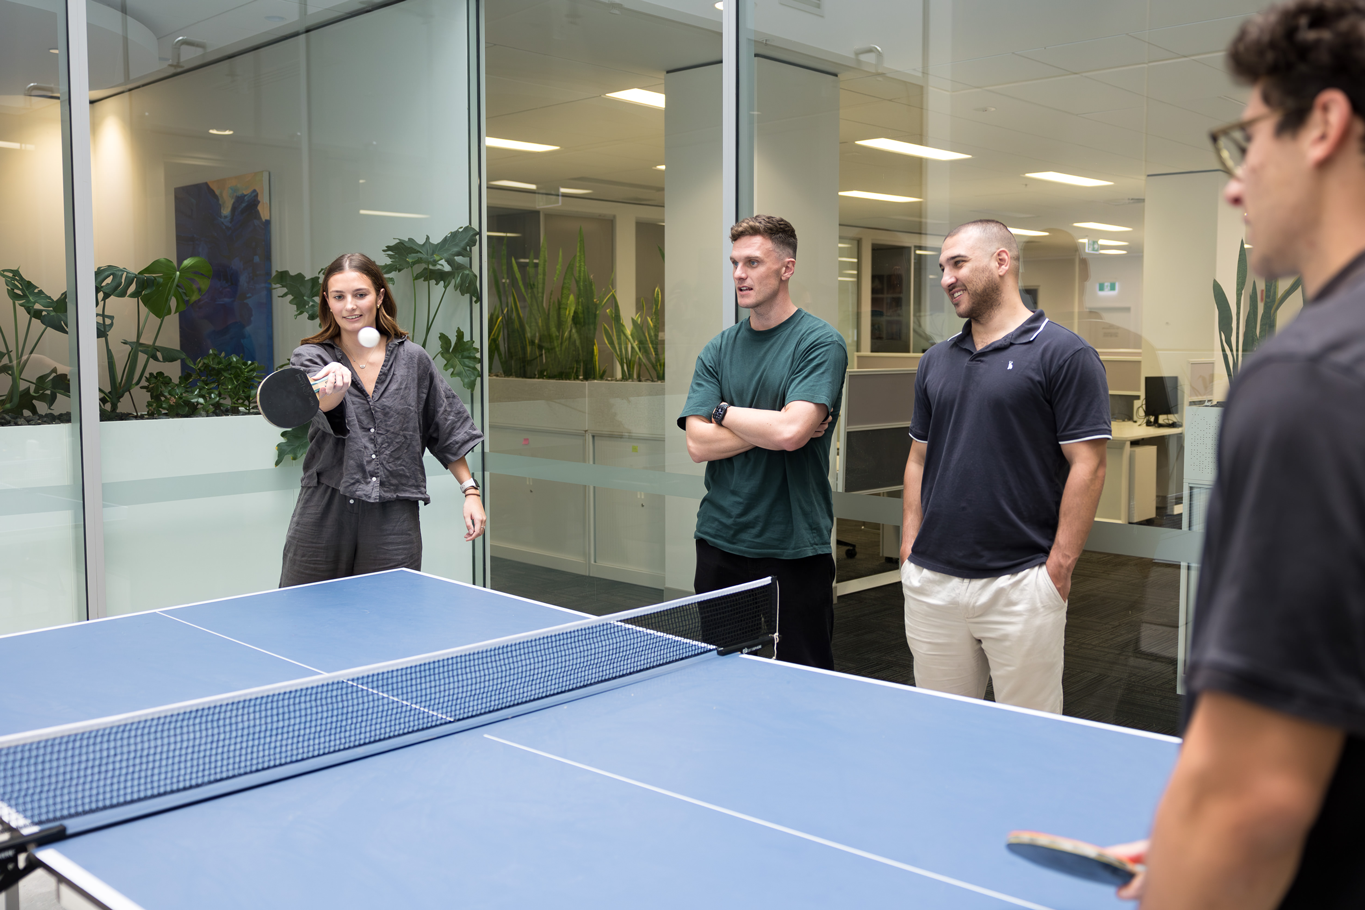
column 720, row 780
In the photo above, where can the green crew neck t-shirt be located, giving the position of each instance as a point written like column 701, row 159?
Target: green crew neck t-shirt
column 762, row 503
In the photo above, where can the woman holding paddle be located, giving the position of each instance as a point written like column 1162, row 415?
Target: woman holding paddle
column 380, row 407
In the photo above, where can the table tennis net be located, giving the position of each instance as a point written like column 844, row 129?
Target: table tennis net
column 63, row 773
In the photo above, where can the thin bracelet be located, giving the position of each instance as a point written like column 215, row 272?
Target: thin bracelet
column 472, row 491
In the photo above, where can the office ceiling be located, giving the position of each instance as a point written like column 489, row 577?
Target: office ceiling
column 1106, row 90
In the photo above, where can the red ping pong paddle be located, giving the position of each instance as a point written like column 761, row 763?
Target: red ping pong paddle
column 288, row 398
column 1072, row 857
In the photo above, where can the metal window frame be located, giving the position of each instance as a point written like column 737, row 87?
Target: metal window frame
column 78, row 190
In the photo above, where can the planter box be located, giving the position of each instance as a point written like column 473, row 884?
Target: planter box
column 194, row 509
column 582, row 529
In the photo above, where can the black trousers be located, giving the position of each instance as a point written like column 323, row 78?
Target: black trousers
column 805, row 590
column 331, row 536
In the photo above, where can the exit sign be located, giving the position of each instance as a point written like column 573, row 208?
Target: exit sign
column 1108, row 287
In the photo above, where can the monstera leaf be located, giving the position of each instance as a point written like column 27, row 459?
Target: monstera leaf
column 176, row 286
column 461, row 358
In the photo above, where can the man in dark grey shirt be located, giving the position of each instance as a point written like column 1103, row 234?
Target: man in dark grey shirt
column 1266, row 806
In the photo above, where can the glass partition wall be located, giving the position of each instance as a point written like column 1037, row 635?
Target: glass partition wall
column 42, row 544
column 1087, row 137
column 619, row 140
column 232, row 152
column 603, row 149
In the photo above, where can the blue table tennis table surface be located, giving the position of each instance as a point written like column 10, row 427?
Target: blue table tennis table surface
column 727, row 781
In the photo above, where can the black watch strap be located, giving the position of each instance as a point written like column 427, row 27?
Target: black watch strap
column 718, row 413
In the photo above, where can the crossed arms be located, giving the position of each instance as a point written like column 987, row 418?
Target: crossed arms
column 754, row 428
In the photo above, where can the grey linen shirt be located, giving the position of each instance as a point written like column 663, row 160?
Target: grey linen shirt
column 370, row 447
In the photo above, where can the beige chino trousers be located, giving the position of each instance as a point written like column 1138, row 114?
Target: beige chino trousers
column 963, row 630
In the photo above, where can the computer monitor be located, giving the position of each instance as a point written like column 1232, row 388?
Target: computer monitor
column 1162, row 396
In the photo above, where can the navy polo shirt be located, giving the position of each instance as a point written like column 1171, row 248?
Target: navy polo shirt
column 994, row 421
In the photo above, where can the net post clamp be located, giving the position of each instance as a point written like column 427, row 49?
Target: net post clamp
column 14, row 848
column 747, row 647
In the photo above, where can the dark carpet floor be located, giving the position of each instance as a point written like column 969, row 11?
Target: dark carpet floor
column 1120, row 635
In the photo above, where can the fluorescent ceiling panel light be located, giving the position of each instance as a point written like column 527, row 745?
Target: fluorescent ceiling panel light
column 658, row 167
column 879, row 197
column 639, row 96
column 1072, row 179
column 720, row 5
column 517, row 146
column 1099, row 226
column 514, row 184
column 848, row 279
column 926, row 252
column 1113, row 252
column 1022, row 232
column 53, row 50
column 501, row 234
column 565, row 189
column 909, row 148
column 1105, row 242
column 847, row 259
column 221, row 132
column 392, row 214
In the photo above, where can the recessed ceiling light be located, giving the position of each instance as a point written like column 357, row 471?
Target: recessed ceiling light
column 847, row 259
column 841, row 278
column 53, row 50
column 720, row 5
column 926, row 252
column 518, row 146
column 909, row 148
column 639, row 96
column 571, row 192
column 1112, row 242
column 1098, row 226
column 393, row 214
column 658, row 167
column 501, row 234
column 1022, row 232
column 514, row 184
column 1113, row 252
column 880, row 197
column 221, row 132
column 1071, row 179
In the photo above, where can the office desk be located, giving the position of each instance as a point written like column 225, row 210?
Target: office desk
column 1118, row 475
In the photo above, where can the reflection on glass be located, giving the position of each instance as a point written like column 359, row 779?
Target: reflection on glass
column 248, row 155
column 584, row 332
column 41, row 547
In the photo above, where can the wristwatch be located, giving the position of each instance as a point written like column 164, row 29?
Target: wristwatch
column 470, row 484
column 718, row 414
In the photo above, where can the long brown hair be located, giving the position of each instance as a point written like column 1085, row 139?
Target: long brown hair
column 385, row 315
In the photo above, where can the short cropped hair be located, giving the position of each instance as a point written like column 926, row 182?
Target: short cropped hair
column 1295, row 50
column 996, row 234
column 778, row 230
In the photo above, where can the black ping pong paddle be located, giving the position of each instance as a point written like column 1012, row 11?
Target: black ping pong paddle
column 288, row 398
column 1072, row 857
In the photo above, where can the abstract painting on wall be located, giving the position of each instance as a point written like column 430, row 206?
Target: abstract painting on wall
column 227, row 222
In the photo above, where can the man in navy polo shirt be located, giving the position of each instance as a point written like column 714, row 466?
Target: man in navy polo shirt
column 1005, row 471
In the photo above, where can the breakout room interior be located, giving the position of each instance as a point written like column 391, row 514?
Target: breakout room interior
column 585, row 140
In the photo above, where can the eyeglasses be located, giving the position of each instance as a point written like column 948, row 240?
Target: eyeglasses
column 1230, row 142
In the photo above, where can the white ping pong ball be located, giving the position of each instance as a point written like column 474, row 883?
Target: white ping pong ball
column 369, row 336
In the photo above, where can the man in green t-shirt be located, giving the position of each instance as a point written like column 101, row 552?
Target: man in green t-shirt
column 763, row 395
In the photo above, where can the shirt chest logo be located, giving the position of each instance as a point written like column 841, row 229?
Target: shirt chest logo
column 1011, row 366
